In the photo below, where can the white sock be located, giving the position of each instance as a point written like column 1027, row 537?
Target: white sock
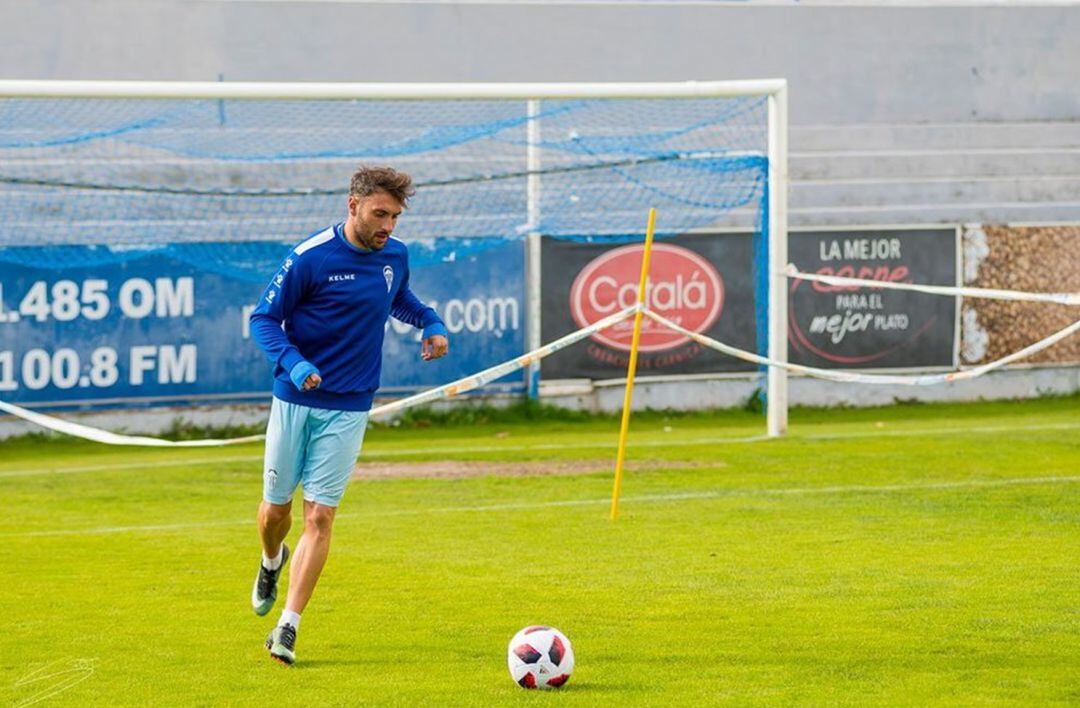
column 273, row 563
column 289, row 617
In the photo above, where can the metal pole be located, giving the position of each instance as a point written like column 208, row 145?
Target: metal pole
column 532, row 244
column 777, row 379
column 631, row 368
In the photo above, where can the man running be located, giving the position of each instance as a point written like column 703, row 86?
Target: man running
column 321, row 322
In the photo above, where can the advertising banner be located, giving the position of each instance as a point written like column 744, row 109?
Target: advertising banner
column 702, row 281
column 706, row 283
column 94, row 324
column 846, row 327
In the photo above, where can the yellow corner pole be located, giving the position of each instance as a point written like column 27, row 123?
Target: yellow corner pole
column 631, row 368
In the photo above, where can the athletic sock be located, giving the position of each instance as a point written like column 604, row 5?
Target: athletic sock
column 289, row 617
column 273, row 563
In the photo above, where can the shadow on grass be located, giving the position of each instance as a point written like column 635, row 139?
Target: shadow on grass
column 322, row 663
column 573, row 686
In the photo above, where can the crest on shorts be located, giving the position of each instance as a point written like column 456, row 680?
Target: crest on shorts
column 271, row 478
column 388, row 275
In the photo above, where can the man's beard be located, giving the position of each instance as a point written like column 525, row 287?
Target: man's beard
column 372, row 242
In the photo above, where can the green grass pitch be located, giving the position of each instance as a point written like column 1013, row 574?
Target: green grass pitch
column 909, row 555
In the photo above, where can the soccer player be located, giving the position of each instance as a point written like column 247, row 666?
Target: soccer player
column 321, row 322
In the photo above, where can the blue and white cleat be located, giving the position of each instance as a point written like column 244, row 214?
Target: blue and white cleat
column 282, row 644
column 264, row 593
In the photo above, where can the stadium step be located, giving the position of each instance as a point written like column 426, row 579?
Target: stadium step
column 921, row 164
column 930, row 136
column 936, row 173
column 905, row 191
column 930, row 214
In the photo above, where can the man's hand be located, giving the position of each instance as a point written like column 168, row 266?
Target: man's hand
column 434, row 347
column 305, row 376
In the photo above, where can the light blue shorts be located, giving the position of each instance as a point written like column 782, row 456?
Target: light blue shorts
column 313, row 447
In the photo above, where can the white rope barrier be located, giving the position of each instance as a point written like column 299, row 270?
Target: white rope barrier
column 1059, row 298
column 853, row 377
column 85, row 432
column 447, row 391
column 488, row 375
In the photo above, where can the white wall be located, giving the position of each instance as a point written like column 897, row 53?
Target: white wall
column 845, row 64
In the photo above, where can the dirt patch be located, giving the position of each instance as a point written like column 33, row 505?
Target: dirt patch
column 459, row 469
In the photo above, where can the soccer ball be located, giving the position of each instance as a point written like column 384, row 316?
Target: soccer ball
column 540, row 657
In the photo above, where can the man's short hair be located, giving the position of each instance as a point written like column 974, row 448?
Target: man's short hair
column 370, row 179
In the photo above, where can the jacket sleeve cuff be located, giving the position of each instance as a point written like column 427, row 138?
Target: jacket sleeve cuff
column 300, row 373
column 436, row 329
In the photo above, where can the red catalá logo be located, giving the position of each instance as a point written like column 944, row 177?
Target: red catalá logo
column 683, row 287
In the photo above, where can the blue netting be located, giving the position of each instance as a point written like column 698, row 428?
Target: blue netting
column 761, row 294
column 162, row 173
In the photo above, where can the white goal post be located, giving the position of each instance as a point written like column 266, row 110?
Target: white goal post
column 773, row 90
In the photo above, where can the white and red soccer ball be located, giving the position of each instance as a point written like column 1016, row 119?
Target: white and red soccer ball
column 540, row 657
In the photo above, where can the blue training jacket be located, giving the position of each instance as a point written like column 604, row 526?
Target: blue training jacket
column 326, row 309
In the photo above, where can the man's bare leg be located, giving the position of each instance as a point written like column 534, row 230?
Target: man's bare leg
column 275, row 520
column 307, row 566
column 310, row 555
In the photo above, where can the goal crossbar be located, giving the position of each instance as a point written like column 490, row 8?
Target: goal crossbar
column 21, row 88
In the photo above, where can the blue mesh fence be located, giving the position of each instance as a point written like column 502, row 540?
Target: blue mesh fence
column 87, row 185
column 102, row 181
column 157, row 173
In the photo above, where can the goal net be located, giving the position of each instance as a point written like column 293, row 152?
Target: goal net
column 93, row 172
